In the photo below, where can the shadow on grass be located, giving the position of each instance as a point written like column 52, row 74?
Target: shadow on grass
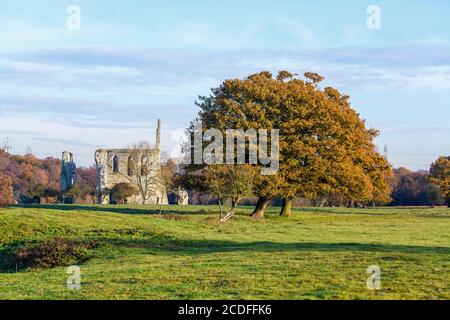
column 165, row 244
column 111, row 208
column 242, row 210
column 212, row 246
column 419, row 212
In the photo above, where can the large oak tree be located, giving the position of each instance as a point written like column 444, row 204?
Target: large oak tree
column 325, row 147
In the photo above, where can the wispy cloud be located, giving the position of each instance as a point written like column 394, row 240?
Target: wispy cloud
column 298, row 30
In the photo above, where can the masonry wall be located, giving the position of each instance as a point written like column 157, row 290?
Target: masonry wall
column 107, row 178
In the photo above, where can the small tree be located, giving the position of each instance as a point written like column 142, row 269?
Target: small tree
column 224, row 182
column 50, row 193
column 169, row 175
column 87, row 177
column 5, row 146
column 73, row 193
column 123, row 190
column 6, row 190
column 237, row 184
column 215, row 177
column 440, row 176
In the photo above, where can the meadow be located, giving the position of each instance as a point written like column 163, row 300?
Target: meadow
column 185, row 253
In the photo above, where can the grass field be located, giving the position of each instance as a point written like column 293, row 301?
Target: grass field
column 187, row 254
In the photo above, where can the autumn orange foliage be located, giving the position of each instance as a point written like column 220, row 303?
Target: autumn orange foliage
column 325, row 148
column 6, row 190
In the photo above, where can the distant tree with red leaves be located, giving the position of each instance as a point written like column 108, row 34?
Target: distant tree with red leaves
column 6, row 190
column 86, row 181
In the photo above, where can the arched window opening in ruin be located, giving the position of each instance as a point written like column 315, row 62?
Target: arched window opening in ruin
column 130, row 166
column 144, row 166
column 115, row 164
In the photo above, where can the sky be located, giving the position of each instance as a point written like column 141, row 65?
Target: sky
column 105, row 84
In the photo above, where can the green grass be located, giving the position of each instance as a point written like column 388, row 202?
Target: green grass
column 187, row 254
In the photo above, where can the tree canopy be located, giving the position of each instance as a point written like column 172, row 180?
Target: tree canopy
column 440, row 175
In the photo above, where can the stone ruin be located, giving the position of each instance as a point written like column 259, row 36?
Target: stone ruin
column 182, row 197
column 113, row 168
column 68, row 175
column 68, row 172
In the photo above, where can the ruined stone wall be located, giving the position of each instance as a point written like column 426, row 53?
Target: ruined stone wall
column 182, row 197
column 107, row 178
column 68, row 172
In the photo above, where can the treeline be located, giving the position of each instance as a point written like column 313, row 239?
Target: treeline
column 413, row 188
column 28, row 179
column 408, row 188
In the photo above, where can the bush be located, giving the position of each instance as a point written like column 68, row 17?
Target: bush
column 123, row 190
column 49, row 254
column 23, row 199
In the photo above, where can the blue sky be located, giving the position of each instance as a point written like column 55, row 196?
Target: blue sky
column 135, row 61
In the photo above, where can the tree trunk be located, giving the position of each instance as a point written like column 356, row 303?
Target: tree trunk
column 220, row 207
column 229, row 214
column 260, row 208
column 232, row 211
column 322, row 202
column 286, row 208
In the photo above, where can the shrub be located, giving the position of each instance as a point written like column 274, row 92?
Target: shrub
column 123, row 190
column 49, row 254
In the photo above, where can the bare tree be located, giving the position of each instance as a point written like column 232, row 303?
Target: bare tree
column 215, row 177
column 5, row 145
column 144, row 169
